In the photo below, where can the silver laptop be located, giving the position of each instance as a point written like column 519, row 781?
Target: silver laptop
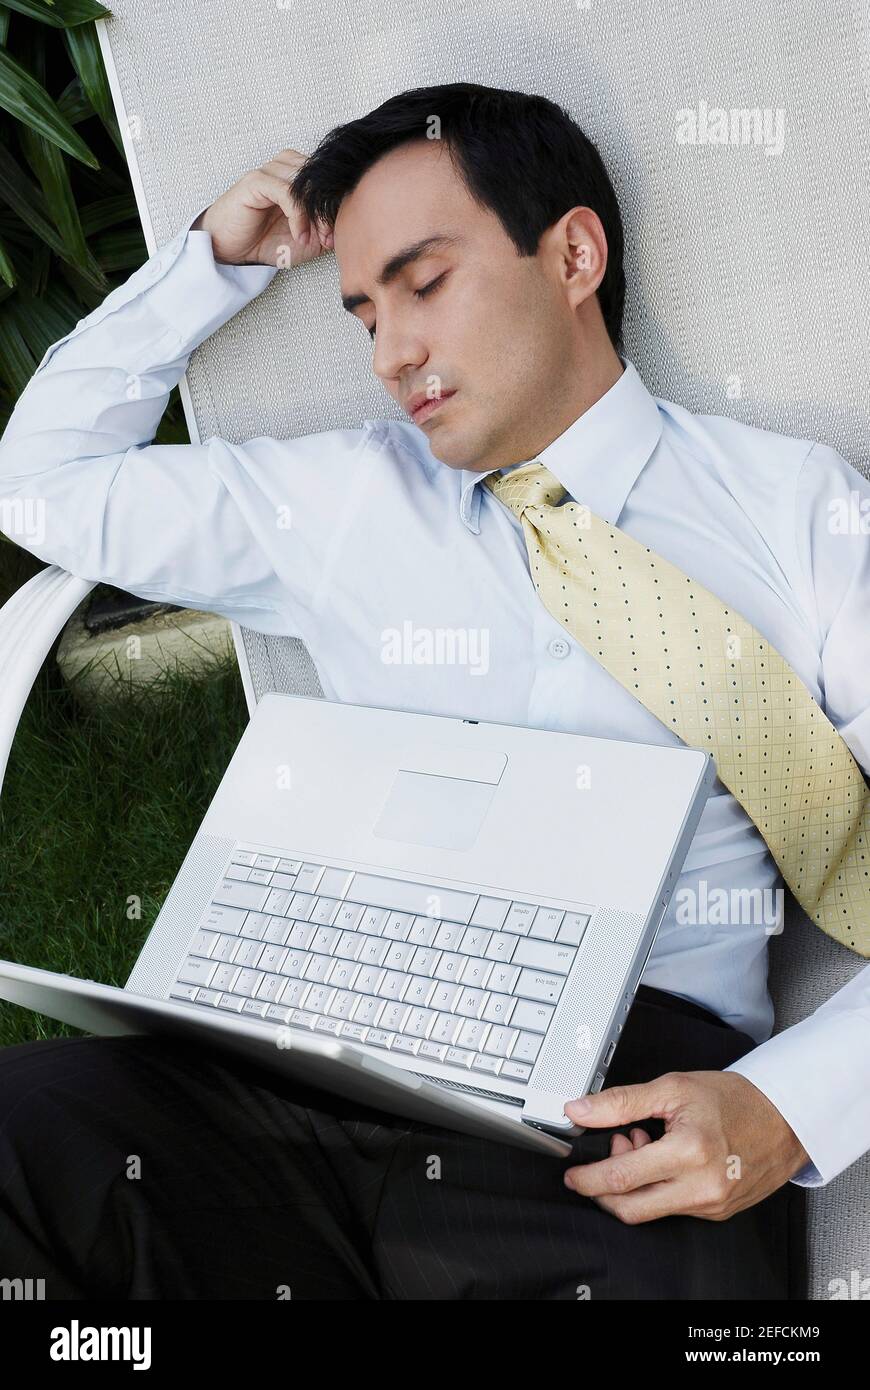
column 443, row 918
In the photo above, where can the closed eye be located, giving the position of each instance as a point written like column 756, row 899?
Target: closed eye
column 421, row 293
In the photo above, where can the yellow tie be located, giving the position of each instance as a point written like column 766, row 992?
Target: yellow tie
column 712, row 678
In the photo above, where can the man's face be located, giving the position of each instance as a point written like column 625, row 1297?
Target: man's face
column 469, row 316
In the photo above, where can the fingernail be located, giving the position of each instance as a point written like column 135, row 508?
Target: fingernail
column 581, row 1106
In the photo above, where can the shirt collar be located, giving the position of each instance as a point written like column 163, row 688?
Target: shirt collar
column 598, row 458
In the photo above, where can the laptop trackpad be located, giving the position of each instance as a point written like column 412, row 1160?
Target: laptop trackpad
column 423, row 809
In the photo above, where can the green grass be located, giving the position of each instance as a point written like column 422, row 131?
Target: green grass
column 98, row 808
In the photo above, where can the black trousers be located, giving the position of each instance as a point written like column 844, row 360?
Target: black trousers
column 141, row 1168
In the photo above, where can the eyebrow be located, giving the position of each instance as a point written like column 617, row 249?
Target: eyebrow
column 396, row 264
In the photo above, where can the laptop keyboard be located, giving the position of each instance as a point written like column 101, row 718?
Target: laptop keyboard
column 464, row 979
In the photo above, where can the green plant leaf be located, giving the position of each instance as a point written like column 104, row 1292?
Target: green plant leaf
column 84, row 50
column 28, row 201
column 17, row 364
column 23, row 97
column 60, row 14
column 7, row 269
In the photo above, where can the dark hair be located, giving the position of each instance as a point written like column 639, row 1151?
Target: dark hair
column 522, row 156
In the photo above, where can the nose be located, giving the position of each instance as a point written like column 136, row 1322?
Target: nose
column 397, row 350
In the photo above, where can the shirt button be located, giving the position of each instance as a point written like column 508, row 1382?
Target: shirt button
column 558, row 647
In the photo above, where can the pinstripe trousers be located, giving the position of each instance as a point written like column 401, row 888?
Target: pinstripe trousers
column 142, row 1168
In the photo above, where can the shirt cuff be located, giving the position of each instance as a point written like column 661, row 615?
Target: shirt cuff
column 191, row 292
column 817, row 1074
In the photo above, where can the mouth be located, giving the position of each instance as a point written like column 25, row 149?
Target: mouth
column 427, row 408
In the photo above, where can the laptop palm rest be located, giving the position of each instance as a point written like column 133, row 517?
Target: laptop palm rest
column 440, row 797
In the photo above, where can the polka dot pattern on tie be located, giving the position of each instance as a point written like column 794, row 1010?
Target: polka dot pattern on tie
column 715, row 680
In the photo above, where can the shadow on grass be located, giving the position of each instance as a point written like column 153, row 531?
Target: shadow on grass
column 97, row 811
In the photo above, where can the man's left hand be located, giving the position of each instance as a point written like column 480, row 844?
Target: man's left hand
column 725, row 1147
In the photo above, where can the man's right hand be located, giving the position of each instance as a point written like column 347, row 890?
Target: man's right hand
column 258, row 221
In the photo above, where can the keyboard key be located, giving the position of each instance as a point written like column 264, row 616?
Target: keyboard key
column 294, row 963
column 278, row 930
column 318, row 997
column 515, row 1071
column 449, row 966
column 233, row 894
column 301, row 935
column 374, row 949
column 289, row 866
column 266, row 861
column 449, row 936
column 501, row 946
column 424, row 930
column 392, row 985
column 277, row 901
column 301, row 1018
column 500, row 1041
column 526, row 1047
column 342, row 1003
column 368, row 1010
column 503, row 977
column 205, row 996
column 283, row 880
column 534, row 1017
column 196, row 971
column 490, row 912
column 324, row 939
column 327, row 1025
column 572, row 928
column 445, row 995
column 277, row 1013
column 308, row 877
column 487, row 1064
column 459, row 1057
column 272, row 958
column 445, row 1029
column 354, row 1031
column 544, row 956
column 520, row 918
column 259, row 876
column 476, row 972
column 393, row 1017
column 301, row 905
column 420, row 990
column 475, row 941
column 187, row 993
column 202, row 943
column 255, row 925
column 255, row 1007
column 318, row 967
column 378, row 1038
column 238, row 871
column 472, row 1034
column 223, row 978
column 499, row 1008
column 224, row 919
column 437, row 1051
column 324, row 910
column 398, row 926
column 534, row 985
column 242, row 856
column 233, row 1003
column 246, row 982
column 405, row 1044
column 334, row 882
column 368, row 979
column 398, row 955
column 547, row 922
column 418, row 1022
column 373, row 920
column 247, row 952
column 294, row 993
column 424, row 960
column 412, row 897
column 348, row 916
column 470, row 1003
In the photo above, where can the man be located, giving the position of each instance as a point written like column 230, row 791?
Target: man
column 479, row 243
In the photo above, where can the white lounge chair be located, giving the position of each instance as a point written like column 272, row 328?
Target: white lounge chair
column 746, row 263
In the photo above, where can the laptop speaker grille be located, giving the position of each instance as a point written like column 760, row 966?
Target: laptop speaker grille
column 472, row 1090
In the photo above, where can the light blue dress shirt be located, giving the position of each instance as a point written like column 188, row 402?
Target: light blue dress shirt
column 410, row 585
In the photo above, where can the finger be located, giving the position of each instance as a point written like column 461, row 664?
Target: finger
column 651, row 1203
column 660, row 1161
column 620, row 1143
column 619, row 1105
column 639, row 1137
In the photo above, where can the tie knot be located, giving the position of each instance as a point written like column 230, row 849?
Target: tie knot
column 533, row 485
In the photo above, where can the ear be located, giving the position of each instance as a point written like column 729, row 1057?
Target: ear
column 579, row 245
